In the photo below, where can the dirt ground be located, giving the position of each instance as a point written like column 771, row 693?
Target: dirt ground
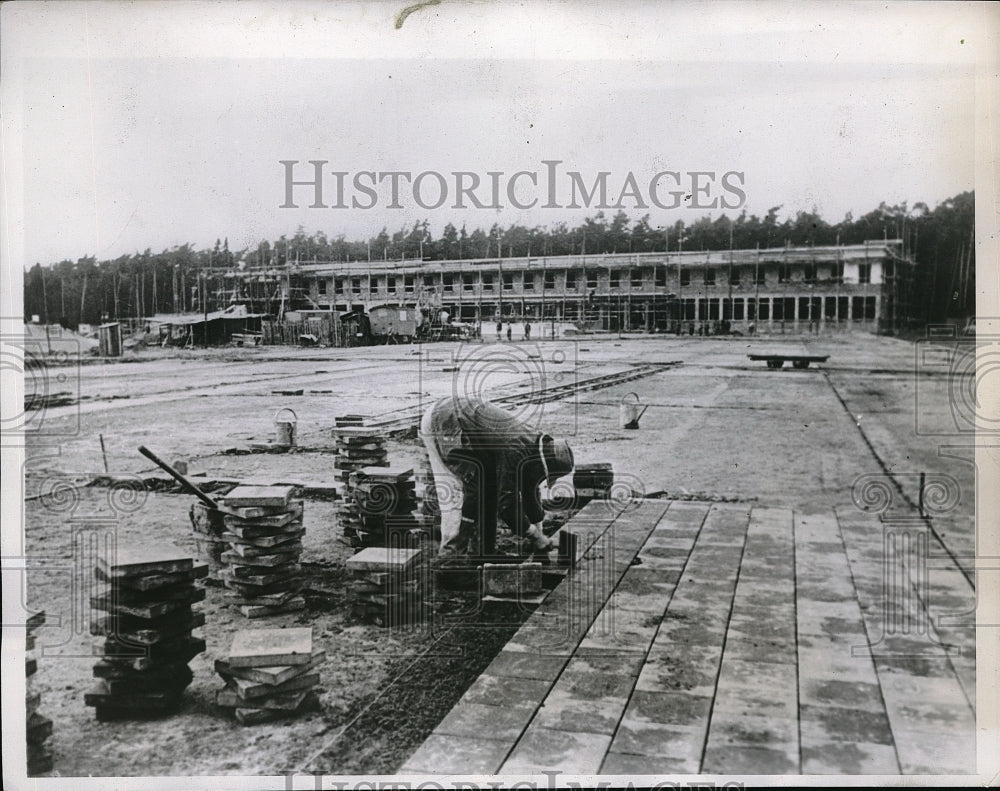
column 717, row 427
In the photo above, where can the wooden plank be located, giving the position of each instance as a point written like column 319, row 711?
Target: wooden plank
column 265, row 647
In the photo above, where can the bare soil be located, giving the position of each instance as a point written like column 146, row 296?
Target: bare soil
column 717, row 427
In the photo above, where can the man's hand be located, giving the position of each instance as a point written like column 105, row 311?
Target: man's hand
column 542, row 542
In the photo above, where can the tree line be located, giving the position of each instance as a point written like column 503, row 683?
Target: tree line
column 941, row 241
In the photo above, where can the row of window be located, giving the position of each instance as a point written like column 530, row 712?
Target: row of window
column 780, row 309
column 637, row 279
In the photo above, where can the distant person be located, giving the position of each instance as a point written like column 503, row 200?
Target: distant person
column 527, row 330
column 499, row 330
column 509, row 332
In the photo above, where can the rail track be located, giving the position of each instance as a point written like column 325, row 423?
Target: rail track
column 405, row 420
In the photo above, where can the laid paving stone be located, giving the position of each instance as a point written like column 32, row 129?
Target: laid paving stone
column 848, row 758
column 834, row 692
column 753, row 730
column 683, row 544
column 479, row 721
column 667, row 708
column 833, row 626
column 513, row 664
column 774, row 625
column 935, row 752
column 606, row 659
column 569, row 711
column 671, row 742
column 626, row 630
column 749, row 649
column 839, row 724
column 678, row 628
column 512, row 692
column 625, row 764
column 822, row 657
column 542, row 749
column 691, row 671
column 725, row 759
column 444, row 755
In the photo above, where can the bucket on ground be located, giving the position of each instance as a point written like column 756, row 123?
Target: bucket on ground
column 630, row 410
column 285, row 421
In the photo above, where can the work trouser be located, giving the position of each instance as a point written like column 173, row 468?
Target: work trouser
column 467, row 489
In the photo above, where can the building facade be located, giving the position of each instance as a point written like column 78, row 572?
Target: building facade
column 864, row 286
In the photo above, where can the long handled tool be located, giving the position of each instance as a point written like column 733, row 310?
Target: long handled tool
column 183, row 480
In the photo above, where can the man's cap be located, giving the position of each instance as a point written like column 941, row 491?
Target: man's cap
column 557, row 457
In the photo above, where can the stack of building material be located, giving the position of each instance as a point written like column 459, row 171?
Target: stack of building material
column 270, row 674
column 378, row 507
column 593, row 481
column 520, row 582
column 386, row 585
column 209, row 524
column 264, row 530
column 148, row 601
column 429, row 515
column 39, row 727
column 358, row 447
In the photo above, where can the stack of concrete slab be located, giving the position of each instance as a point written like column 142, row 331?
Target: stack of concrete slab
column 39, row 727
column 209, row 524
column 387, row 585
column 593, row 481
column 264, row 528
column 378, row 507
column 358, row 447
column 270, row 674
column 429, row 512
column 149, row 600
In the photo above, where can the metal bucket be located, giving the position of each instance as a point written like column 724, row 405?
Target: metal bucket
column 629, row 412
column 284, row 428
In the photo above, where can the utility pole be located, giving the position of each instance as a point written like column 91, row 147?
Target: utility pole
column 730, row 273
column 204, row 304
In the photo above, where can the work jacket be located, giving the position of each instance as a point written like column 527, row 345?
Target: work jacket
column 464, row 430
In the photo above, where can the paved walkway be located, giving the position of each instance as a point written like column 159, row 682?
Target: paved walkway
column 697, row 638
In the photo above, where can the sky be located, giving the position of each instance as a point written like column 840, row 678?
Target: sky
column 149, row 126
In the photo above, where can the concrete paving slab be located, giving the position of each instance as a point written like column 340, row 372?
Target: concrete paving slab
column 670, row 742
column 841, row 724
column 480, row 721
column 631, row 765
column 514, row 664
column 733, row 729
column 726, row 759
column 460, row 755
column 670, row 669
column 848, row 758
column 570, row 712
column 542, row 749
column 935, row 752
column 746, row 648
column 667, row 708
column 500, row 691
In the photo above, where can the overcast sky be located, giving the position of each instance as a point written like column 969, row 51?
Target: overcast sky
column 144, row 125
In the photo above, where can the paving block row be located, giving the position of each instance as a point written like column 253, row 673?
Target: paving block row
column 754, row 728
column 922, row 648
column 665, row 722
column 843, row 725
column 483, row 727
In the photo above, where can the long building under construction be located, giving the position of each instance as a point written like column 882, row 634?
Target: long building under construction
column 862, row 286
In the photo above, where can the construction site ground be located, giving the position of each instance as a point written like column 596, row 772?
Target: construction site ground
column 777, row 452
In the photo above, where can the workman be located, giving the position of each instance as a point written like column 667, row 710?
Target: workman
column 487, row 463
